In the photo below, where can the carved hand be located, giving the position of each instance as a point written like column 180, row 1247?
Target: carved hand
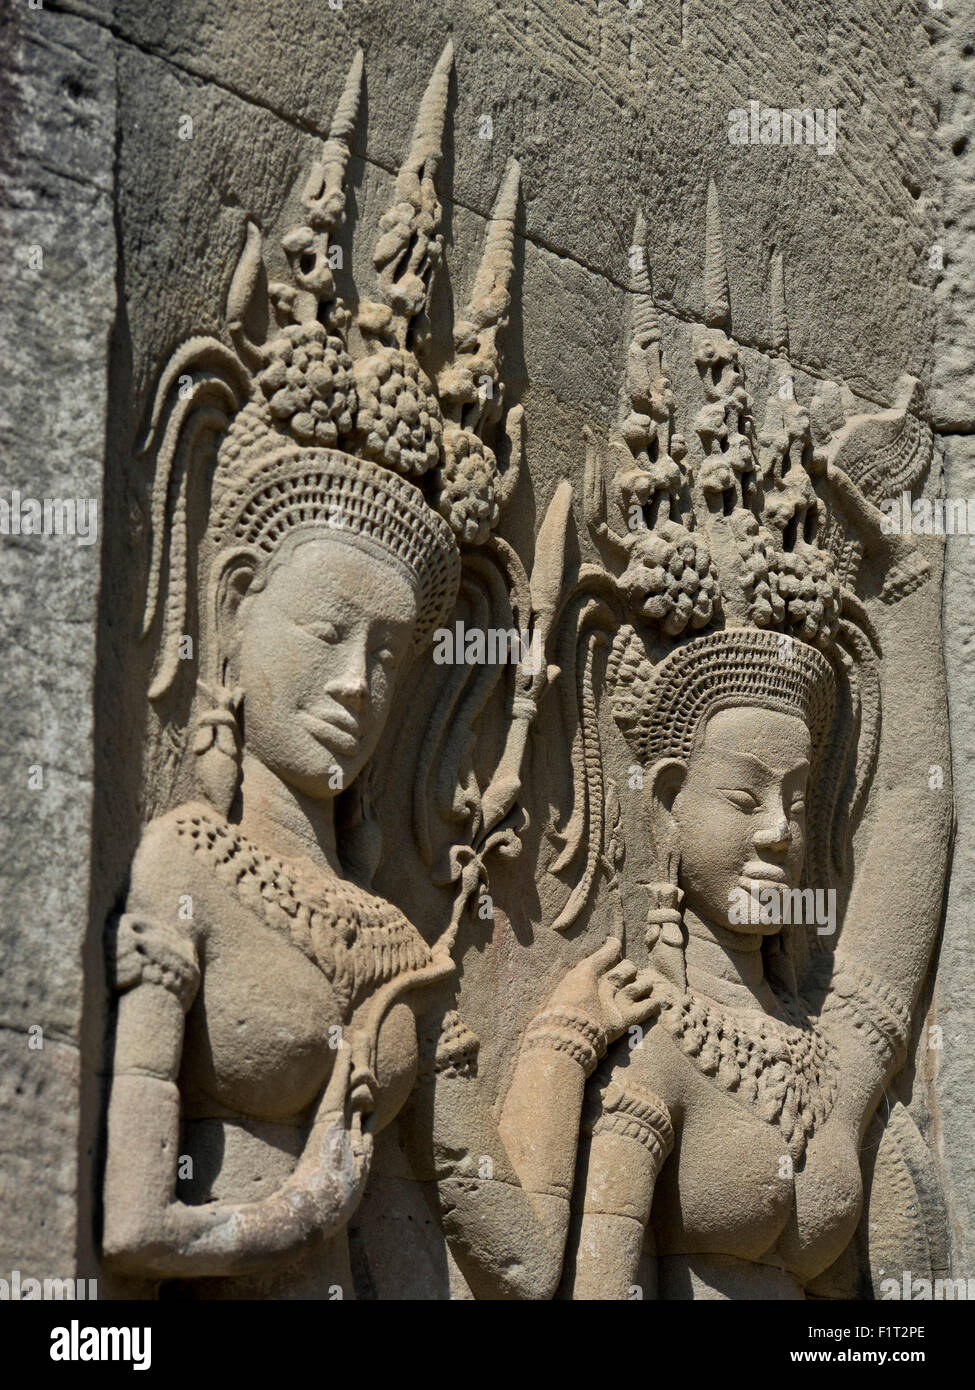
column 610, row 992
column 332, row 1171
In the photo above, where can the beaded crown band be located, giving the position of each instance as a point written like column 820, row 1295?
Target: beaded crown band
column 357, row 502
column 328, row 419
column 660, row 709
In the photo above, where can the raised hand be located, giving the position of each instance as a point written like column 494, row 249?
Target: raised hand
column 611, row 993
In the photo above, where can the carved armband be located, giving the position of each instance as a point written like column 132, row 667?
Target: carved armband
column 569, row 1031
column 457, row 1048
column 640, row 1117
column 875, row 1008
column 147, row 951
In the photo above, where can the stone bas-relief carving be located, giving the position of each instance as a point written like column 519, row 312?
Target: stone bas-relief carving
column 742, row 712
column 756, row 665
column 265, row 1027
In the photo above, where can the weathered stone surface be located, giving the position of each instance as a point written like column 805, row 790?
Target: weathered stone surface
column 57, row 301
column 39, row 1093
column 788, row 316
column 608, row 107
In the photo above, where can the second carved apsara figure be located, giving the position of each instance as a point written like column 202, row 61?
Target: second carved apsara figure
column 782, row 728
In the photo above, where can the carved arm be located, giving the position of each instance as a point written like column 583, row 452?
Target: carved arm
column 627, row 1139
column 505, row 1187
column 894, row 909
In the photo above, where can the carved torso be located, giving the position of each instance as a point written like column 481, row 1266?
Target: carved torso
column 285, row 957
column 762, row 1170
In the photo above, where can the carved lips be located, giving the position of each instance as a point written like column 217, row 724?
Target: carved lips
column 757, row 874
column 339, row 730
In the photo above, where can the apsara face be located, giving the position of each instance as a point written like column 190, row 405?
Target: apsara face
column 741, row 812
column 320, row 646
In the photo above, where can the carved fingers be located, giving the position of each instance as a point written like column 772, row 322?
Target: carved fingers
column 609, row 992
column 580, row 988
column 635, row 999
column 334, row 1189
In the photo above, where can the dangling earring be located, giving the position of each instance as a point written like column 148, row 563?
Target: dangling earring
column 217, row 746
column 665, row 925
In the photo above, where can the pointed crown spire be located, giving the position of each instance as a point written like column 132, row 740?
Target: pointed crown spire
column 313, row 422
column 716, row 303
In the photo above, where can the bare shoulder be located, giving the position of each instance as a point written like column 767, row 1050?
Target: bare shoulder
column 168, row 873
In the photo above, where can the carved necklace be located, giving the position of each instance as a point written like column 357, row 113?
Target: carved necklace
column 357, row 940
column 785, row 1071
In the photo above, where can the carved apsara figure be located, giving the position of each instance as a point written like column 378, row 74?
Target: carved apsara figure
column 264, row 1028
column 266, row 1020
column 722, row 1157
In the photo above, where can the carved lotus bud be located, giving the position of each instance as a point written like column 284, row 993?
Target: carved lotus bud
column 300, row 246
column 663, row 403
column 708, row 351
column 711, row 424
column 468, row 495
column 662, row 475
column 398, row 421
column 716, row 474
column 638, row 430
column 810, row 589
column 766, row 606
column 309, row 385
column 399, row 229
column 670, row 579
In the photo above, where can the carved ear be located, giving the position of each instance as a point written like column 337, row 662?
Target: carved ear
column 665, row 781
column 230, row 583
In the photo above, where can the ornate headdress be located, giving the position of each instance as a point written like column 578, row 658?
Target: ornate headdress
column 732, row 545
column 329, row 422
column 723, row 582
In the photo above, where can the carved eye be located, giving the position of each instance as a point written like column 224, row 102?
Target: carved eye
column 325, row 632
column 743, row 800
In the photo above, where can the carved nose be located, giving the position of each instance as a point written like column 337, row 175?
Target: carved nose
column 351, row 687
column 777, row 836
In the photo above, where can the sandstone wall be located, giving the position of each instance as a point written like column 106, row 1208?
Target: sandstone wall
column 142, row 136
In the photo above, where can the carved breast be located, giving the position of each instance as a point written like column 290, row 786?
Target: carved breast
column 762, row 1167
column 257, row 1036
column 287, row 956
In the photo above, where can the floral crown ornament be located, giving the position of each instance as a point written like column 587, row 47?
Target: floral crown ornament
column 325, row 422
column 668, row 577
column 720, row 581
column 730, row 544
